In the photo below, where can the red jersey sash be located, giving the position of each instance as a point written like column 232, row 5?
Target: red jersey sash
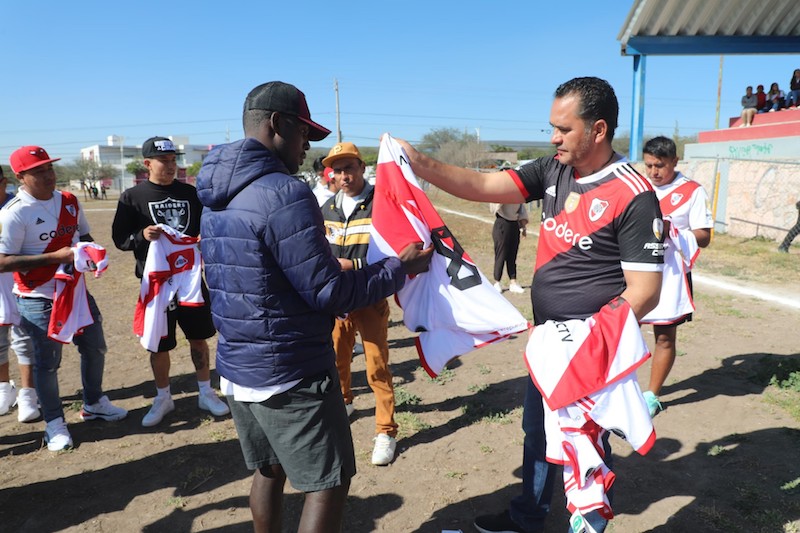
column 62, row 236
column 678, row 197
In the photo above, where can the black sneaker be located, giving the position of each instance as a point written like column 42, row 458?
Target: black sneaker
column 497, row 523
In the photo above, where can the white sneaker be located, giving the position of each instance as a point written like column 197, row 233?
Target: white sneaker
column 383, row 452
column 497, row 286
column 209, row 401
column 27, row 405
column 515, row 288
column 104, row 410
column 350, row 408
column 161, row 406
column 56, row 435
column 8, row 395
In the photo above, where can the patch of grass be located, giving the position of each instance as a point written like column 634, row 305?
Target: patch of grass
column 764, row 263
column 484, row 370
column 717, row 450
column 456, row 475
column 177, row 502
column 444, row 376
column 791, row 486
column 218, row 435
column 486, row 449
column 777, row 370
column 403, row 397
column 478, row 387
column 727, row 308
column 409, row 424
column 792, row 382
column 502, row 417
column 782, row 375
column 714, row 520
column 197, row 477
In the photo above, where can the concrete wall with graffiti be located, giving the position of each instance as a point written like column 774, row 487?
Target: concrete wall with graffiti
column 754, row 197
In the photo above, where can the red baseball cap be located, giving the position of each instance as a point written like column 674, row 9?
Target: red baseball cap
column 285, row 98
column 327, row 174
column 29, row 157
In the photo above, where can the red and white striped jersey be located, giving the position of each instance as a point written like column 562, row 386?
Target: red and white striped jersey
column 173, row 269
column 448, row 304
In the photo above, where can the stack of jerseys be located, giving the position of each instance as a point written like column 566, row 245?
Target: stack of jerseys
column 680, row 252
column 71, row 312
column 172, row 271
column 453, row 306
column 586, row 372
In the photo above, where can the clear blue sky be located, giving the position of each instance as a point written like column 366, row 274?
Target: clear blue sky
column 76, row 72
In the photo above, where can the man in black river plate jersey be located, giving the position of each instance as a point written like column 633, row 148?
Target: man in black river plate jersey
column 601, row 237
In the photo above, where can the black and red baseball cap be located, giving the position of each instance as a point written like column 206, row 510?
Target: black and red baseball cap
column 285, row 98
column 29, row 157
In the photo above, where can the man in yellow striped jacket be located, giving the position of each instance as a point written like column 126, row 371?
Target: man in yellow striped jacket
column 348, row 219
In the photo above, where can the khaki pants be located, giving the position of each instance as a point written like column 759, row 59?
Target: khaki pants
column 373, row 324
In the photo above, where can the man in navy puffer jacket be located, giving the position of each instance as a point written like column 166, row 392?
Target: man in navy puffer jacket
column 275, row 290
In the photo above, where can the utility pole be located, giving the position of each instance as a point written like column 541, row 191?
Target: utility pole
column 338, row 124
column 121, row 163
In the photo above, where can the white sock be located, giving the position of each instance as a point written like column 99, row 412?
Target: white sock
column 164, row 393
column 204, row 386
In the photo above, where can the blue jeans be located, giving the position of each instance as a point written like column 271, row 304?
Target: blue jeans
column 35, row 317
column 530, row 508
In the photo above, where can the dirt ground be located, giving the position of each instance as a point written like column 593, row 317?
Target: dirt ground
column 725, row 457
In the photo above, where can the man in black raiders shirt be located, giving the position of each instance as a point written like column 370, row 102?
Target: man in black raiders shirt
column 601, row 237
column 164, row 200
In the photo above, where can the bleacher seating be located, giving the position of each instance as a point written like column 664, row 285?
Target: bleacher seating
column 784, row 123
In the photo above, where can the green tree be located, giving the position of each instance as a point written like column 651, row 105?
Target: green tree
column 194, row 169
column 308, row 163
column 500, row 148
column 136, row 167
column 433, row 141
column 369, row 155
column 452, row 146
column 92, row 171
column 69, row 172
column 535, row 153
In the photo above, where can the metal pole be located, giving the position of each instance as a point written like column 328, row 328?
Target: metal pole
column 715, row 198
column 121, row 163
column 637, row 109
column 719, row 92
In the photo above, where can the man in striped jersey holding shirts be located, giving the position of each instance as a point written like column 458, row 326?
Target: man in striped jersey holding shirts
column 601, row 238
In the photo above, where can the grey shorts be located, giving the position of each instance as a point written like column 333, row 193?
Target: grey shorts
column 19, row 341
column 304, row 429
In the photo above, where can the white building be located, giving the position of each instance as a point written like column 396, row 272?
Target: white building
column 118, row 155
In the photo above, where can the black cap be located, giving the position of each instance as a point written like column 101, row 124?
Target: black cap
column 156, row 146
column 285, row 98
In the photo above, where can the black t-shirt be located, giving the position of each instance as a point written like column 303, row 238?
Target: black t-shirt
column 592, row 228
column 175, row 205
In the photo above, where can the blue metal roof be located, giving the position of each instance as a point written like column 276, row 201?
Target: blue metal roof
column 698, row 27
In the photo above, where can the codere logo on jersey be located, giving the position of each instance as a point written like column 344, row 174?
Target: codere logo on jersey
column 563, row 232
column 61, row 230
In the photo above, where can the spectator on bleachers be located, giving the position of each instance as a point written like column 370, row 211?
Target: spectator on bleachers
column 749, row 102
column 794, row 89
column 776, row 97
column 762, row 104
